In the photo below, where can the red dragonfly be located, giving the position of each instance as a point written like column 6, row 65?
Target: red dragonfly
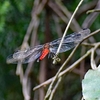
column 39, row 52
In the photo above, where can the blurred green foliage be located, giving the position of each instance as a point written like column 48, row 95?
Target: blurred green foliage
column 14, row 20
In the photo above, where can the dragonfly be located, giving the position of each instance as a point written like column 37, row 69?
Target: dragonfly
column 39, row 52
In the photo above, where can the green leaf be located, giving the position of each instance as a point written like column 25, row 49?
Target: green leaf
column 91, row 85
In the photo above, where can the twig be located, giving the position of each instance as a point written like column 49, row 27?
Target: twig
column 75, row 64
column 68, row 26
column 65, row 71
column 48, row 81
column 55, row 8
column 54, row 89
column 68, row 69
column 92, row 17
column 68, row 14
column 87, row 23
column 43, row 84
column 62, row 16
column 51, row 85
column 93, row 64
column 88, row 44
column 33, row 26
column 93, row 10
column 87, row 6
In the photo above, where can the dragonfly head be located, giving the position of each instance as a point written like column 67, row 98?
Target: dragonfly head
column 47, row 45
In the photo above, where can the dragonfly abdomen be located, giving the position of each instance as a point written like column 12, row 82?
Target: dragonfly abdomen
column 44, row 53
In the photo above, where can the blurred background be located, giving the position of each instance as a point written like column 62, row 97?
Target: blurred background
column 26, row 23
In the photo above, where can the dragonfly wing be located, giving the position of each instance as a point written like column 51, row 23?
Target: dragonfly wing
column 65, row 47
column 69, row 41
column 81, row 35
column 32, row 57
column 10, row 59
column 27, row 59
column 25, row 56
column 74, row 37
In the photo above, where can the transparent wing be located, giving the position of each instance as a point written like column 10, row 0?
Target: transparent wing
column 10, row 59
column 27, row 59
column 25, row 56
column 73, row 37
column 65, row 47
column 32, row 57
column 25, row 53
column 69, row 41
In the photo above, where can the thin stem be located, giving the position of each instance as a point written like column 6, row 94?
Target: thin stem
column 66, row 70
column 51, row 79
column 68, row 26
column 51, row 85
column 93, row 64
column 93, row 10
column 55, row 88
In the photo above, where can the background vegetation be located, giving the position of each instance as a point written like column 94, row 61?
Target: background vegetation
column 42, row 21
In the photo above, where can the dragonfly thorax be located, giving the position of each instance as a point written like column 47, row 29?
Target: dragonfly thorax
column 45, row 51
column 46, row 46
